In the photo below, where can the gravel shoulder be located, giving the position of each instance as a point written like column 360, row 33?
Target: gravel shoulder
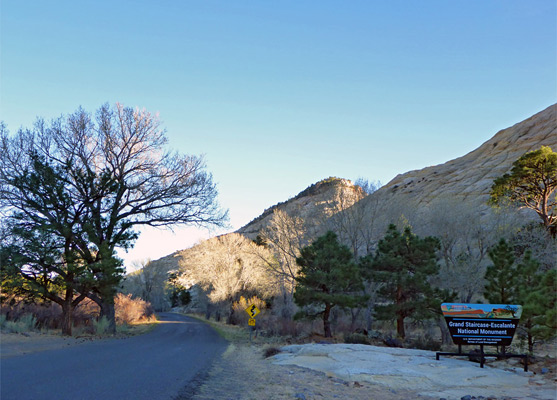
column 16, row 344
column 243, row 373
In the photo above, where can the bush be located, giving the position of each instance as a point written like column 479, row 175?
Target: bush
column 239, row 315
column 271, row 351
column 25, row 323
column 425, row 342
column 19, row 316
column 129, row 311
column 101, row 326
column 357, row 338
column 278, row 326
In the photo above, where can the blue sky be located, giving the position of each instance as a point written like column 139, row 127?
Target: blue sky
column 279, row 95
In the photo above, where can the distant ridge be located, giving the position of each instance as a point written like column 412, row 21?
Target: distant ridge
column 311, row 202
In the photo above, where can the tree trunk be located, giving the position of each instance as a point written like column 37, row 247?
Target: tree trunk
column 400, row 316
column 230, row 313
column 108, row 311
column 326, row 323
column 67, row 311
column 445, row 334
column 369, row 317
column 400, row 326
column 106, row 305
column 354, row 314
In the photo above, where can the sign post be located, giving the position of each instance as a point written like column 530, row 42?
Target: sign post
column 252, row 311
column 484, row 325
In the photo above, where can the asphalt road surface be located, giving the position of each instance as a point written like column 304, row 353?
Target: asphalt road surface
column 166, row 363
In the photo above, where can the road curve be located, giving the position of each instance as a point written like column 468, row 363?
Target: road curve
column 161, row 364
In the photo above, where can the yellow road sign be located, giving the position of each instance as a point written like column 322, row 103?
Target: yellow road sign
column 251, row 322
column 252, row 311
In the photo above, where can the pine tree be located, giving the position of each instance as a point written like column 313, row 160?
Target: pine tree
column 532, row 184
column 403, row 264
column 541, row 306
column 525, row 285
column 328, row 277
column 528, row 284
column 502, row 275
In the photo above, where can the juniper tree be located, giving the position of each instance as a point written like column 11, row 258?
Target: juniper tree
column 328, row 278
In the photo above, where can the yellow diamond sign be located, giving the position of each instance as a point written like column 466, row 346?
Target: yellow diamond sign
column 252, row 311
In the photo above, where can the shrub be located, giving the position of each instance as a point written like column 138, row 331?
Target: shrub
column 271, row 351
column 129, row 311
column 28, row 322
column 278, row 326
column 357, row 338
column 239, row 315
column 47, row 315
column 11, row 327
column 101, row 326
column 25, row 323
column 425, row 342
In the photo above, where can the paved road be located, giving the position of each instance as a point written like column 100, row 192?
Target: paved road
column 163, row 364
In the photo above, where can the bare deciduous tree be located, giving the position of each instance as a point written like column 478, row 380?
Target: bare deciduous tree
column 285, row 236
column 352, row 219
column 465, row 236
column 149, row 282
column 227, row 267
column 120, row 172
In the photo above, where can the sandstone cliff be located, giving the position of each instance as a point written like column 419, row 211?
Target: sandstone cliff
column 317, row 202
column 469, row 178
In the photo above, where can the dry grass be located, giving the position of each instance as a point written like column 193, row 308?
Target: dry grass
column 133, row 317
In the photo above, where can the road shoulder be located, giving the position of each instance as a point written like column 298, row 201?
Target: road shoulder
column 243, row 373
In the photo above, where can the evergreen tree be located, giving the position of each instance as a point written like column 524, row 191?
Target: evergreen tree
column 543, row 305
column 532, row 183
column 328, row 277
column 501, row 277
column 525, row 285
column 37, row 254
column 528, row 282
column 403, row 265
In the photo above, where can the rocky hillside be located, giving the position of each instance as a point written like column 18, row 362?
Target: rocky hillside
column 469, row 178
column 318, row 202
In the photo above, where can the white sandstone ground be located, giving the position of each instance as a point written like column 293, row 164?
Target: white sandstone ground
column 417, row 370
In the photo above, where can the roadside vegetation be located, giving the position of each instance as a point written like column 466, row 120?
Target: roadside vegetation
column 360, row 276
column 75, row 189
column 133, row 316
